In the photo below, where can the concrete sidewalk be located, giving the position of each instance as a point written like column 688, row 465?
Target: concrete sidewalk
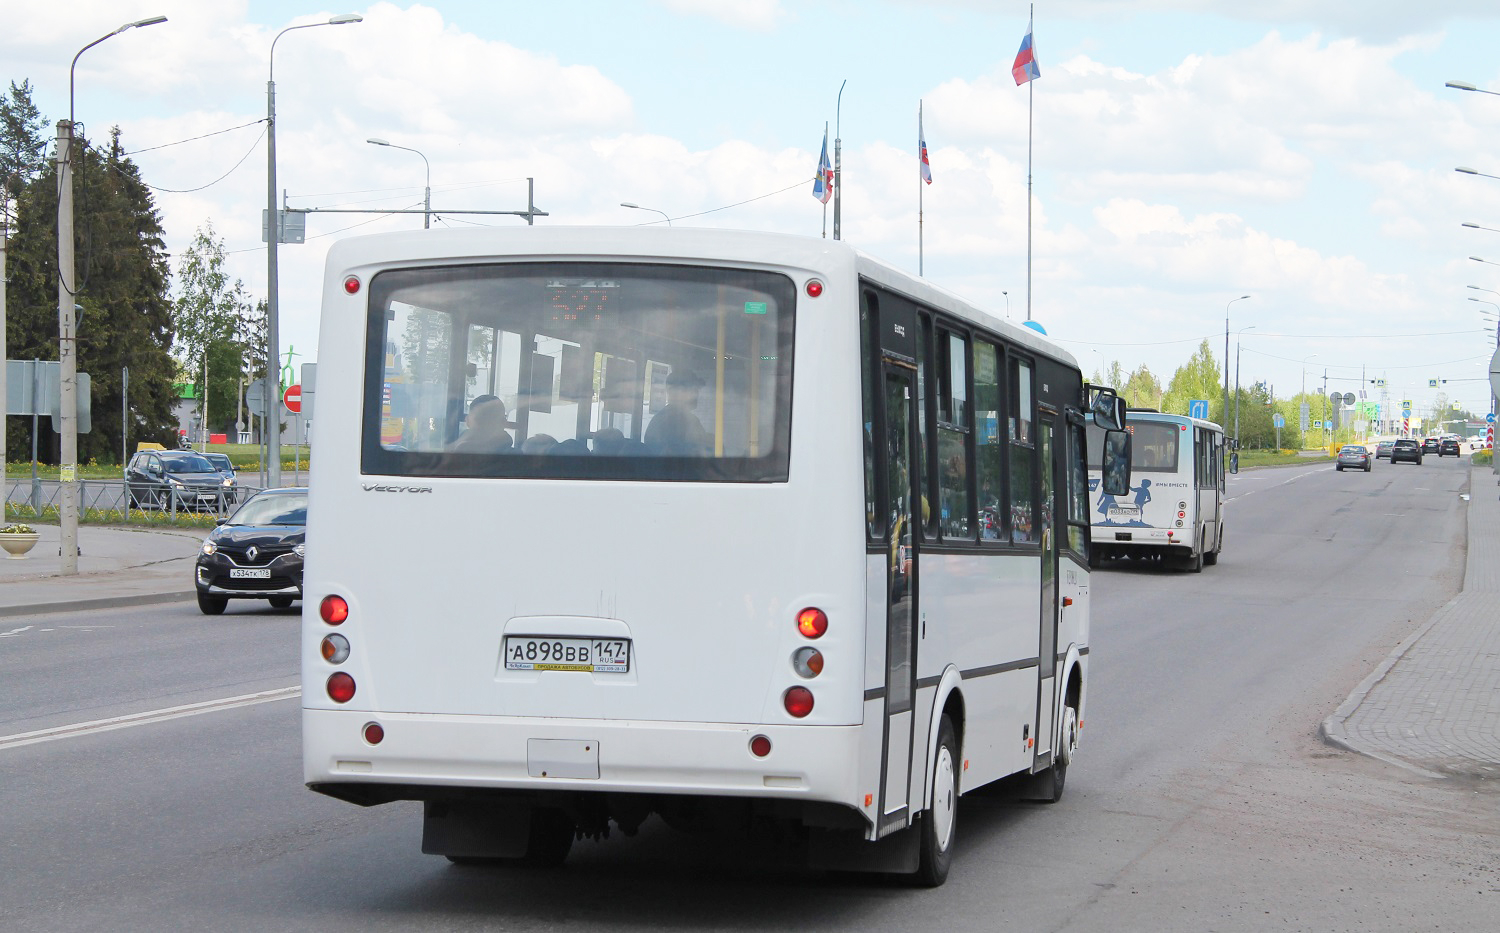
column 118, row 566
column 1433, row 705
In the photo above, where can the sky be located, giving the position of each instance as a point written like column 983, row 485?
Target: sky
column 1183, row 152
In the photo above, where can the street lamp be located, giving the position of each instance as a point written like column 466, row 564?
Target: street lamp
column 1466, row 86
column 652, row 209
column 1478, row 227
column 1226, row 352
column 1469, row 171
column 426, row 192
column 1007, row 304
column 1237, row 380
column 1304, row 371
column 67, row 324
column 271, row 398
column 1486, row 261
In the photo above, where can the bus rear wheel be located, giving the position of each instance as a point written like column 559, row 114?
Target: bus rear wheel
column 938, row 823
column 1212, row 557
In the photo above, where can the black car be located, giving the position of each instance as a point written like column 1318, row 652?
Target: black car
column 179, row 479
column 225, row 466
column 1449, row 445
column 256, row 553
column 1429, row 445
column 1406, row 449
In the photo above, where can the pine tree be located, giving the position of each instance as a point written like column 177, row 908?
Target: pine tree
column 23, row 141
column 122, row 286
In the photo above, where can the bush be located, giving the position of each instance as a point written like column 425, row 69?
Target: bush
column 1484, row 457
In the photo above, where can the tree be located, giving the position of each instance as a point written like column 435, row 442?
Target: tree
column 23, row 141
column 1143, row 389
column 212, row 317
column 1198, row 378
column 122, row 286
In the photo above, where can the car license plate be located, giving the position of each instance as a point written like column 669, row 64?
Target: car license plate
column 543, row 653
column 250, row 573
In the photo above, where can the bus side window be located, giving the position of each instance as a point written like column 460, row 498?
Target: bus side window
column 953, row 436
column 988, row 447
column 1078, row 490
column 925, row 478
column 1021, row 428
column 874, row 515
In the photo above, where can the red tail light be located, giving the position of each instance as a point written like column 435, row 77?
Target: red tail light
column 333, row 609
column 812, row 622
column 351, row 285
column 374, row 733
column 798, row 701
column 341, row 688
column 760, row 746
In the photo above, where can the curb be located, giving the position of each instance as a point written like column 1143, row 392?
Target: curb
column 108, row 602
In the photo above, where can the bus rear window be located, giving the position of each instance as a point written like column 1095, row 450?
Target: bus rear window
column 1153, row 446
column 579, row 370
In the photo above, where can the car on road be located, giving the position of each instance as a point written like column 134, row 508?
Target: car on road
column 1407, row 448
column 225, row 466
column 1383, row 450
column 1354, row 456
column 1449, row 445
column 178, row 479
column 1429, row 445
column 256, row 553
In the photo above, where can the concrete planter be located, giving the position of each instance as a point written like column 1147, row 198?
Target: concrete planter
column 17, row 545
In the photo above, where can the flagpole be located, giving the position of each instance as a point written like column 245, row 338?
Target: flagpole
column 920, row 155
column 838, row 162
column 1030, row 97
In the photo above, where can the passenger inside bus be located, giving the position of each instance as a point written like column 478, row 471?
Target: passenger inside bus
column 486, row 428
column 676, row 429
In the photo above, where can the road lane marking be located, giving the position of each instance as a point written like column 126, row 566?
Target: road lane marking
column 15, row 631
column 142, row 719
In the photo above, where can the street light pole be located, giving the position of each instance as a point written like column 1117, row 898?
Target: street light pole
column 1226, row 353
column 426, row 192
column 1237, row 381
column 67, row 321
column 653, row 210
column 271, row 400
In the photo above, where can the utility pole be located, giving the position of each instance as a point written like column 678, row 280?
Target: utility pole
column 67, row 350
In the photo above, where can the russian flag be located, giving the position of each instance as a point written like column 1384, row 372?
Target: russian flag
column 1025, row 69
column 823, row 184
column 924, row 165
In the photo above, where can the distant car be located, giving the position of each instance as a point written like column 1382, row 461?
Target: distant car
column 1449, row 445
column 1354, row 456
column 225, row 466
column 256, row 553
column 1430, row 445
column 1383, row 450
column 1407, row 449
column 179, row 479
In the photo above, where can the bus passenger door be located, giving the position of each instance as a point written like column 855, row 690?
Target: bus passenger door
column 901, row 597
column 1049, row 443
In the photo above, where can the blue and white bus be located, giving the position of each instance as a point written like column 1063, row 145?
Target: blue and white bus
column 721, row 526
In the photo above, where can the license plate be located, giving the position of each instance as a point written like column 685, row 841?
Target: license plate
column 593, row 655
column 250, row 573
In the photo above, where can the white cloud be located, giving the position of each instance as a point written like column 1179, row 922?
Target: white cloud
column 754, row 15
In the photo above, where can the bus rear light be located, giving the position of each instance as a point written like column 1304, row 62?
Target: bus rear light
column 760, row 746
column 335, row 649
column 333, row 609
column 814, row 288
column 798, row 701
column 340, row 688
column 374, row 733
column 812, row 622
column 808, row 662
column 351, row 285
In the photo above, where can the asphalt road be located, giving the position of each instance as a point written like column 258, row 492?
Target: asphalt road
column 1201, row 798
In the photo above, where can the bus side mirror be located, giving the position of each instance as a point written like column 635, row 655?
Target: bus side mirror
column 1115, row 463
column 1234, row 463
column 1108, row 409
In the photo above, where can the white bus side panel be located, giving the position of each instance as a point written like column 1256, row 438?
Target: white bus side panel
column 983, row 614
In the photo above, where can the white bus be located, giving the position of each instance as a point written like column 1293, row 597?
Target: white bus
column 1174, row 508
column 607, row 522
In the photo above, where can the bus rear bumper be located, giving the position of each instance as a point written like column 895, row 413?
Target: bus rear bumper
column 424, row 753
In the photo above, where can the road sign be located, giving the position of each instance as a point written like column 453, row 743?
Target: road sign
column 1490, row 417
column 292, row 398
column 1198, row 408
column 1495, row 372
column 1317, row 424
column 1348, row 398
column 1278, row 420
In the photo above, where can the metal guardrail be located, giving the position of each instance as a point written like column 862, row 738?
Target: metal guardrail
column 107, row 502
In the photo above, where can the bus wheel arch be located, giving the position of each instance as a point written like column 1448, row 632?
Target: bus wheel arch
column 949, row 701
